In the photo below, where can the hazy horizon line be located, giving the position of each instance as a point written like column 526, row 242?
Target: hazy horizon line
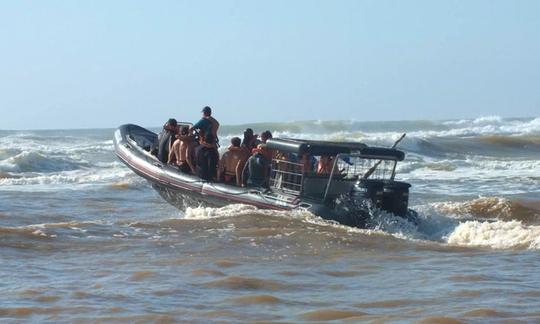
column 254, row 124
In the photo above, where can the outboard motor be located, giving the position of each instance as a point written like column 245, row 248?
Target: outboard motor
column 368, row 189
column 396, row 197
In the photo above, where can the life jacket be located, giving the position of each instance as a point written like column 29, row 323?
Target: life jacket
column 214, row 126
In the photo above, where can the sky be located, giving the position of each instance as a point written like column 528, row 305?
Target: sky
column 100, row 64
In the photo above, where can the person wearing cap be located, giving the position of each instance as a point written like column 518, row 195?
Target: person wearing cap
column 206, row 125
column 164, row 141
column 207, row 162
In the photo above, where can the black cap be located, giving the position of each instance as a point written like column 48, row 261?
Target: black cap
column 207, row 110
column 172, row 122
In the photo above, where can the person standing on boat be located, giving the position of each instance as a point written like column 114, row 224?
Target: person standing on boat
column 207, row 161
column 206, row 125
column 207, row 158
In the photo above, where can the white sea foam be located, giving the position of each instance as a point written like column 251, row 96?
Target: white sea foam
column 227, row 211
column 496, row 235
column 485, row 120
column 491, row 125
column 470, row 168
column 56, row 181
column 45, row 161
column 38, row 162
column 450, row 223
column 236, row 210
column 482, row 174
column 48, row 143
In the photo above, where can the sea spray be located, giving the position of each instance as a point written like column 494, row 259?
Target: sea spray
column 496, row 235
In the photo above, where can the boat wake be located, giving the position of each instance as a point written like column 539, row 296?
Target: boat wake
column 493, row 222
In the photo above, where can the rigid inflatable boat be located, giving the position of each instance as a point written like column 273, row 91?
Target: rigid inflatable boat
column 361, row 178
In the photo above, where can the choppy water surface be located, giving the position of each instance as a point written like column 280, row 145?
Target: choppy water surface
column 84, row 239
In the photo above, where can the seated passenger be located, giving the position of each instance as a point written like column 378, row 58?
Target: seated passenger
column 265, row 136
column 182, row 151
column 232, row 163
column 165, row 140
column 172, row 157
column 256, row 169
column 207, row 157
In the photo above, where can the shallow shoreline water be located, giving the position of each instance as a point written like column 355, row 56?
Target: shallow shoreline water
column 83, row 239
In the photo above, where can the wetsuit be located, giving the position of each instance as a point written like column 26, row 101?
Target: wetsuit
column 207, row 160
column 204, row 126
column 206, row 155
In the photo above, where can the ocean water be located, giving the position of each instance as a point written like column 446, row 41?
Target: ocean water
column 83, row 239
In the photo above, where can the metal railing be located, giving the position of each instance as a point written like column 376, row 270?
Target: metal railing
column 350, row 166
column 287, row 176
column 355, row 166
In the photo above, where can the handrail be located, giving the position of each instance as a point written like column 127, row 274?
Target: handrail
column 286, row 179
column 374, row 167
column 332, row 176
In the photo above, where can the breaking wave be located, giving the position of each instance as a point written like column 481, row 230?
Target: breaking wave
column 493, row 222
column 39, row 162
column 491, row 207
column 486, row 136
column 90, row 176
column 496, row 235
column 491, row 125
column 45, row 158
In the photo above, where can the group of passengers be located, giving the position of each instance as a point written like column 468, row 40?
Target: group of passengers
column 195, row 150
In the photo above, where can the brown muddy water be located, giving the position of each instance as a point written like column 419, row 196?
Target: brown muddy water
column 82, row 239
